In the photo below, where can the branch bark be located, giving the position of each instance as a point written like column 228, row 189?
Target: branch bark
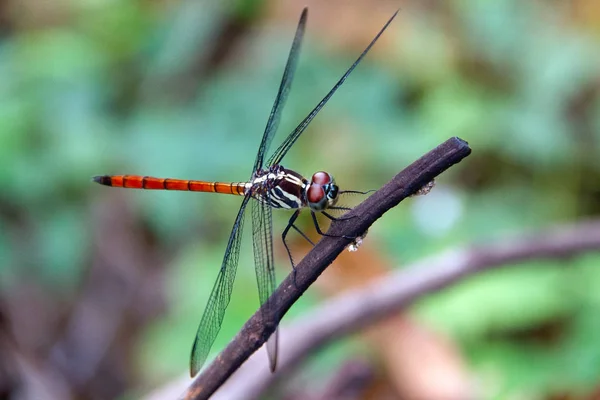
column 255, row 332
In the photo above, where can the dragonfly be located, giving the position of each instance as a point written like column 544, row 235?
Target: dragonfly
column 270, row 186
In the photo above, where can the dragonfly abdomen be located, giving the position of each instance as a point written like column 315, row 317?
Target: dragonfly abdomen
column 148, row 182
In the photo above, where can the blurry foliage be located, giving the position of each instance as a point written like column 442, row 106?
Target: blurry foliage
column 184, row 90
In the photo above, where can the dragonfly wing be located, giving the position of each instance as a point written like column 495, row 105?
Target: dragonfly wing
column 262, row 229
column 291, row 139
column 272, row 349
column 211, row 321
column 282, row 93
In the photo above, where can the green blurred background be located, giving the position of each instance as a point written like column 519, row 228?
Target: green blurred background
column 105, row 287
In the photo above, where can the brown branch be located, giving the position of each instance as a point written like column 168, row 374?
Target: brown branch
column 357, row 309
column 255, row 332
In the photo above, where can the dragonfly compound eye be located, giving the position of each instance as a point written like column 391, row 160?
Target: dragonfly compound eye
column 321, row 178
column 317, row 200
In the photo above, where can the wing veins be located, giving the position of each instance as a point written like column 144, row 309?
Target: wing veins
column 282, row 93
column 265, row 269
column 212, row 318
column 291, row 139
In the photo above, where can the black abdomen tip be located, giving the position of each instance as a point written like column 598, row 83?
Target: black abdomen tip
column 102, row 179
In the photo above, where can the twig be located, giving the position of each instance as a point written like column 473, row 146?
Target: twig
column 255, row 332
column 357, row 309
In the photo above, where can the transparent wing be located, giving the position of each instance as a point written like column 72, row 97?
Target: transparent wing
column 291, row 139
column 262, row 233
column 282, row 94
column 211, row 321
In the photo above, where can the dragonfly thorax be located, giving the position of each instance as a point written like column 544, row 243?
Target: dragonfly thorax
column 279, row 187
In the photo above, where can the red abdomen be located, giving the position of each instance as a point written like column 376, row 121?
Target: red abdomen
column 148, row 182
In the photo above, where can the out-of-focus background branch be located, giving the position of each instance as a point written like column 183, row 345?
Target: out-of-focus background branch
column 101, row 289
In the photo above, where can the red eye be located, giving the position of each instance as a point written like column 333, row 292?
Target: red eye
column 315, row 193
column 321, row 178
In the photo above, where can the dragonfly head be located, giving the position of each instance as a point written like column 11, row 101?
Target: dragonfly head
column 322, row 192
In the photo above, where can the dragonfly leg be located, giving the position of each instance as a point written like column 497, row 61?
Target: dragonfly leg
column 284, row 235
column 318, row 228
column 303, row 235
column 357, row 191
column 340, row 208
column 342, row 218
